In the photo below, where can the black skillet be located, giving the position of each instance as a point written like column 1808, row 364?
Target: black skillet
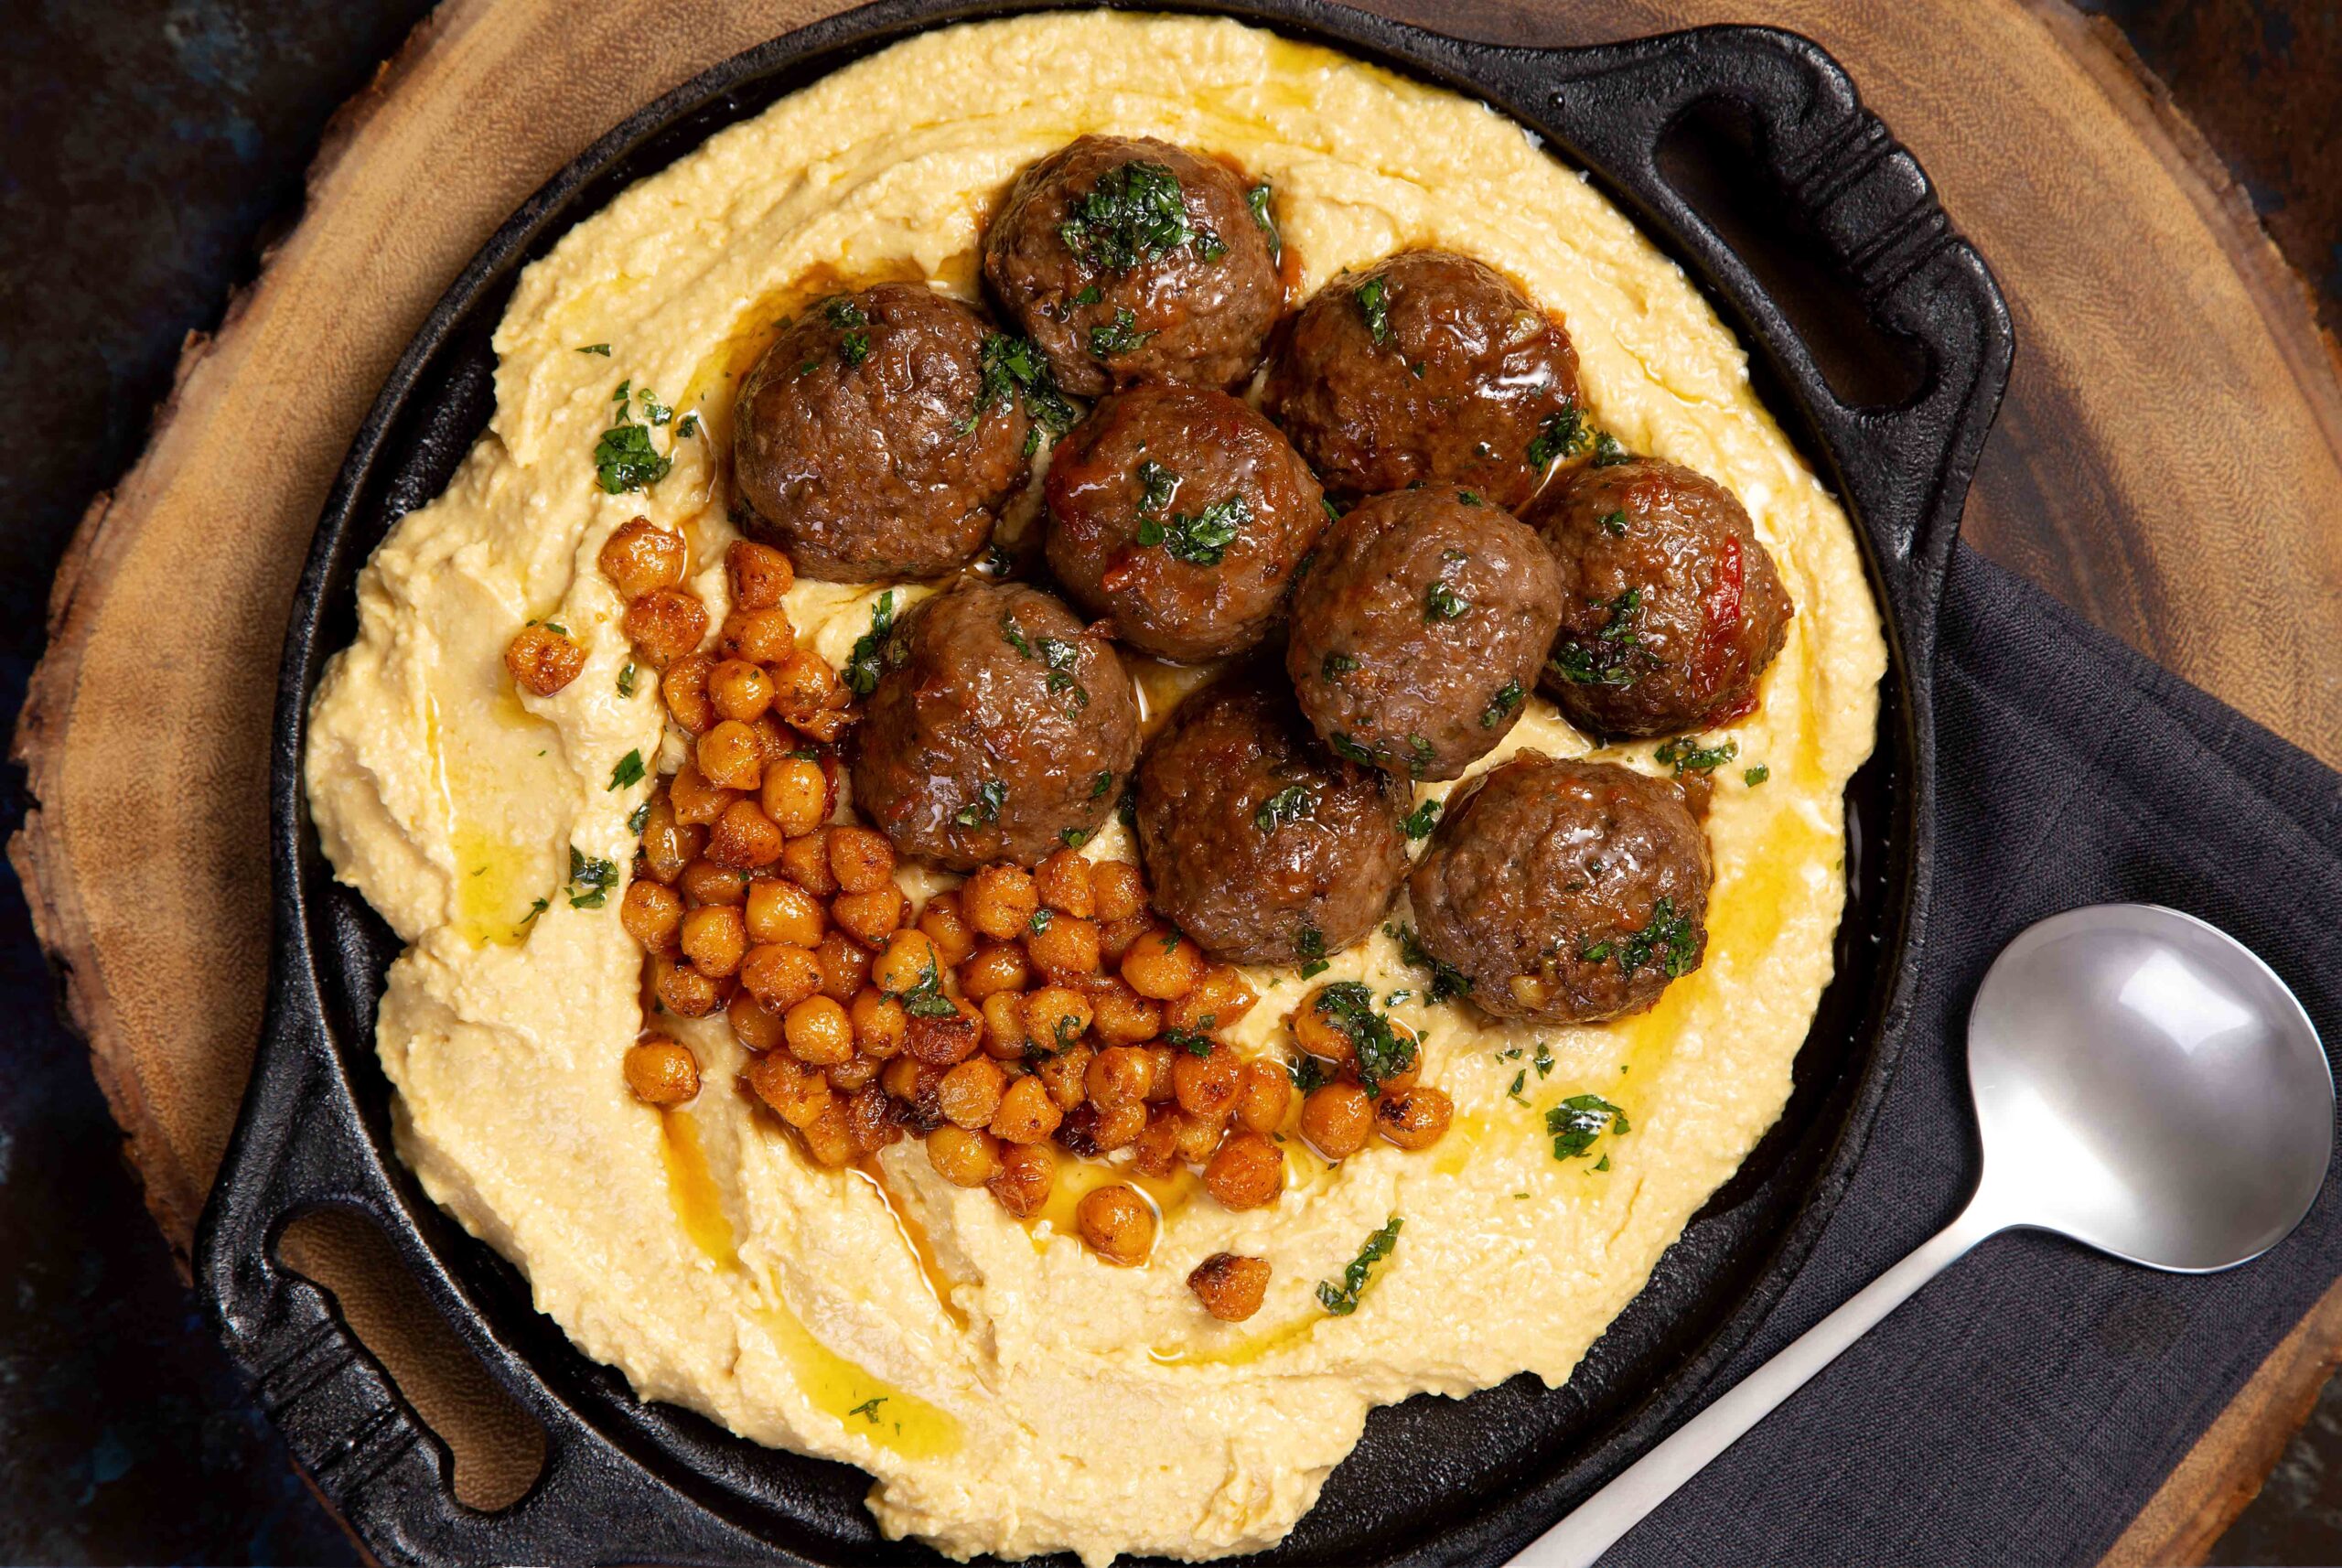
column 1731, row 147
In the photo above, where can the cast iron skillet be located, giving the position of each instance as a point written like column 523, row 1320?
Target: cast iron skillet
column 1434, row 1480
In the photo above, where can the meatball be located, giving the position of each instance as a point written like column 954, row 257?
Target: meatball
column 1181, row 513
column 1564, row 891
column 1128, row 258
column 999, row 730
column 1259, row 843
column 1426, row 368
column 864, row 446
column 1418, row 639
column 1670, row 607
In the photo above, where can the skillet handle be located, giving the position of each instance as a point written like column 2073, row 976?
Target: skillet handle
column 1906, row 468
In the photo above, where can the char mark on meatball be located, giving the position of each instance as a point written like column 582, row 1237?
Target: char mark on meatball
column 1128, row 258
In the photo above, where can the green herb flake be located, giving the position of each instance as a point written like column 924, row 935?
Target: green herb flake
column 1443, row 603
column 1668, row 939
column 1344, row 746
column 1100, row 785
column 590, row 880
column 926, row 999
column 1607, row 453
column 601, row 349
column 1195, row 1042
column 1613, row 523
column 1378, row 1051
column 1519, row 1079
column 1615, row 655
column 1686, row 754
column 1752, row 777
column 1603, row 1164
column 1374, row 303
column 865, row 664
column 1563, row 434
column 1337, row 665
column 1136, row 213
column 1577, row 1121
column 1063, row 659
column 984, row 809
column 1041, row 920
column 868, row 1408
column 1419, row 822
column 1502, row 705
column 1309, row 942
column 1343, row 1300
column 1293, row 803
column 1013, row 367
column 689, row 427
column 1120, row 336
column 639, row 819
column 1543, row 1060
column 628, row 771
column 1257, row 201
column 1465, row 498
column 624, row 460
column 1447, row 980
column 1308, row 1074
column 626, row 680
column 1073, row 838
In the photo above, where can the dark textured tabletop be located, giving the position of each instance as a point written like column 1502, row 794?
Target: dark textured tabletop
column 153, row 149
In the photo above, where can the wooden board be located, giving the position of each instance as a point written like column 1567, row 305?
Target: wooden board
column 2169, row 462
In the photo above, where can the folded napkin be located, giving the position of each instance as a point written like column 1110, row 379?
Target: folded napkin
column 2028, row 1402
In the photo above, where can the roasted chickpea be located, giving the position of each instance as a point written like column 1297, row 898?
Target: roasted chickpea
column 1208, row 1085
column 870, row 1118
column 828, row 1137
column 1027, row 1171
column 818, row 1032
column 871, row 916
column 805, row 687
column 909, row 1079
column 1263, row 1093
column 994, row 968
column 907, row 963
column 1336, row 1118
column 641, row 556
column 1115, row 936
column 1066, row 1076
column 697, row 801
column 1219, row 1000
column 704, row 882
column 965, row 1156
column 999, row 901
column 947, row 1040
column 1066, row 949
column 1315, row 1029
column 780, row 911
column 665, row 624
column 845, row 966
column 1117, row 1224
column 1055, row 1016
column 849, row 1076
column 1158, row 1060
column 1025, row 1114
column 782, row 1082
column 1231, row 1287
column 796, row 795
column 971, row 1093
column 756, row 1027
column 1415, row 1118
column 779, row 975
column 731, row 755
column 807, row 862
column 945, row 927
column 860, row 858
column 682, row 990
column 668, row 845
column 1156, row 1150
column 1005, row 1035
column 541, row 660
column 662, row 1072
column 1163, row 964
column 1062, row 880
column 652, row 914
column 880, row 1024
column 1120, row 1074
column 1116, row 890
column 760, row 637
column 758, row 575
column 714, row 937
column 1119, row 1015
column 1247, row 1173
column 1118, row 1128
column 1198, row 1136
column 743, row 837
column 740, row 690
column 685, row 689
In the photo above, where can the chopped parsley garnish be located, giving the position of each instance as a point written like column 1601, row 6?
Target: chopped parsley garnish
column 1607, row 453
column 1378, row 1051
column 1337, row 664
column 590, row 880
column 1012, row 366
column 1100, row 785
column 626, row 680
column 1041, row 920
column 1073, row 838
column 865, row 664
column 984, row 809
column 1578, row 1121
column 1343, row 745
column 1447, row 980
column 1120, row 336
column 1014, row 635
column 628, row 771
column 1195, row 1042
column 1563, row 434
column 625, row 391
column 1063, row 659
column 1136, row 213
column 690, row 425
column 1519, row 1079
column 1201, row 540
column 926, row 1000
column 639, row 819
column 1543, row 1060
column 601, row 349
column 1374, row 303
column 1613, row 523
column 1465, row 498
column 624, row 460
column 868, row 1408
column 1156, row 486
column 1669, row 941
column 536, row 907
column 1443, row 603
column 1257, row 201
column 1422, row 820
column 1615, row 657
column 1752, row 777
column 1500, row 707
column 1309, row 942
column 1343, row 1301
column 848, row 319
column 655, row 411
column 1308, row 1074
column 1686, row 754
column 1291, row 804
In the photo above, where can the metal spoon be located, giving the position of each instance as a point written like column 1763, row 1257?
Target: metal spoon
column 2145, row 1085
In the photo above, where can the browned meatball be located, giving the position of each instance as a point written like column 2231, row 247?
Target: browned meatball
column 1567, row 891
column 1181, row 513
column 860, row 447
column 1670, row 607
column 1000, row 730
column 1128, row 258
column 1428, row 367
column 1259, row 843
column 1418, row 637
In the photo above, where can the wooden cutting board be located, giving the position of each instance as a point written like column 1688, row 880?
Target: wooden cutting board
column 2169, row 462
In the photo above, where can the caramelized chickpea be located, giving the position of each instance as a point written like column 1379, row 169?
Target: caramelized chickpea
column 999, row 901
column 828, row 1137
column 662, row 1072
column 1118, row 1128
column 1414, row 1118
column 1158, row 1063
column 682, row 990
column 760, row 637
column 714, row 937
column 845, row 966
column 1117, row 1224
column 652, row 914
column 829, row 722
column 641, row 556
column 1004, row 1014
column 1066, row 1076
column 742, row 837
column 697, row 802
column 1027, row 1171
column 860, row 858
column 1119, row 1015
column 870, row 1118
column 944, row 924
column 818, row 1032
column 907, row 963
column 1336, row 1118
column 807, row 862
column 947, row 1040
column 1316, row 1029
column 965, row 1156
column 1263, row 1091
column 1120, row 1074
column 1067, row 948
column 851, row 1075
column 685, row 689
column 731, row 755
column 971, row 1093
column 796, row 794
column 1163, row 964
column 669, row 845
column 758, row 575
column 780, row 911
column 796, row 1096
column 740, row 690
column 779, row 975
column 1207, row 1085
column 1055, row 1016
column 1231, row 1287
column 1219, row 1000
column 704, row 882
column 665, row 624
column 1247, row 1173
column 1198, row 1136
column 1116, row 890
column 757, row 1027
column 994, row 968
column 871, row 916
column 1115, row 936
column 541, row 660
column 1025, row 1114
column 908, row 1079
column 880, row 1024
column 1062, row 880
column 1156, row 1150
column 805, row 687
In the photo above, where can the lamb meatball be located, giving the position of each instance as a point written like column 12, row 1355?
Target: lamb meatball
column 1418, row 637
column 852, row 448
column 1259, row 843
column 1670, row 607
column 1427, row 368
column 1181, row 513
column 1564, row 891
column 1128, row 258
column 999, row 730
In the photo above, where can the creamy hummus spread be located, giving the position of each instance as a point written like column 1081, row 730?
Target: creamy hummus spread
column 1009, row 1392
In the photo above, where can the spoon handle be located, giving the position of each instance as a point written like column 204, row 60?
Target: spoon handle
column 1582, row 1535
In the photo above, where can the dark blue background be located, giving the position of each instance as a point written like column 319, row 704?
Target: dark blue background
column 151, row 148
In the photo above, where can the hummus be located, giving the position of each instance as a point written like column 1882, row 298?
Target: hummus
column 1008, row 1392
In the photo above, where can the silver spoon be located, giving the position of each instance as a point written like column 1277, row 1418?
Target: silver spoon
column 2145, row 1085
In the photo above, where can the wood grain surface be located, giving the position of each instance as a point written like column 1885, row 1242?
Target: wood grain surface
column 2169, row 462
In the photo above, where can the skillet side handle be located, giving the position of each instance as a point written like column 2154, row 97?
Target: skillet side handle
column 1906, row 469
